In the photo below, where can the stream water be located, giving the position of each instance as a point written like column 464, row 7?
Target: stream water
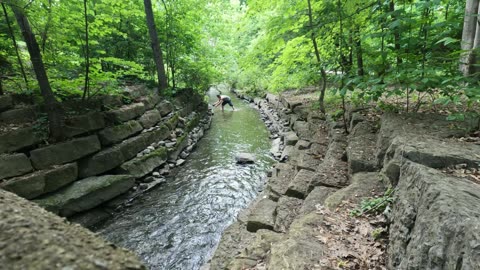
column 179, row 224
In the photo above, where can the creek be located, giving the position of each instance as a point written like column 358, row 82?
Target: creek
column 179, row 224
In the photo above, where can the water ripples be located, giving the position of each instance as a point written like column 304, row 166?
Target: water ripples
column 179, row 224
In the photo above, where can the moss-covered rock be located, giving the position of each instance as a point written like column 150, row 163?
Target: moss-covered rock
column 141, row 166
column 86, row 194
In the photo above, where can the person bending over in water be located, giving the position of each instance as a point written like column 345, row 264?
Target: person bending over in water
column 223, row 100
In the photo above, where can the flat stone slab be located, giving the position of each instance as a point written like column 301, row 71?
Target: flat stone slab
column 245, row 158
column 435, row 221
column 33, row 238
column 125, row 113
column 82, row 124
column 116, row 134
column 41, row 182
column 234, row 240
column 302, row 129
column 18, row 116
column 316, row 198
column 290, row 138
column 282, row 174
column 86, row 193
column 150, row 118
column 14, row 165
column 140, row 167
column 164, row 107
column 363, row 185
column 18, row 139
column 393, row 125
column 300, row 185
column 433, row 152
column 301, row 249
column 64, row 152
column 6, row 103
column 287, row 210
column 262, row 216
column 303, row 145
column 361, row 149
column 255, row 251
column 101, row 162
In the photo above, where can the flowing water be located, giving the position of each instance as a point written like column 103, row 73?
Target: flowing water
column 179, row 224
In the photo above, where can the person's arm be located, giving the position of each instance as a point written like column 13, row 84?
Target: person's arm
column 217, row 103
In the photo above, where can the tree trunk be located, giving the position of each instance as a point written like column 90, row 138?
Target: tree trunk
column 396, row 32
column 323, row 84
column 157, row 52
column 86, row 88
column 359, row 52
column 53, row 107
column 19, row 59
column 468, row 36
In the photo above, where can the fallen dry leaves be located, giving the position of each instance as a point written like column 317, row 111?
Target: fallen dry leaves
column 352, row 242
column 463, row 171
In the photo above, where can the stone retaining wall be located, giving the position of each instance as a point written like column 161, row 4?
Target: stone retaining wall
column 321, row 167
column 109, row 151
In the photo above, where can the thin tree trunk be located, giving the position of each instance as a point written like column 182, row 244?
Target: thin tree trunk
column 168, row 46
column 323, row 85
column 468, row 36
column 53, row 107
column 86, row 88
column 359, row 52
column 19, row 59
column 157, row 52
column 396, row 33
column 47, row 26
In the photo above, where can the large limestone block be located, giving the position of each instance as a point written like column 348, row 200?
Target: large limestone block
column 101, row 162
column 361, row 149
column 363, row 185
column 433, row 152
column 40, row 182
column 262, row 216
column 393, row 125
column 6, row 102
column 299, row 186
column 150, row 118
column 131, row 147
column 234, row 239
column 14, row 165
column 141, row 166
column 302, row 128
column 255, row 251
column 282, row 175
column 316, row 198
column 287, row 210
column 290, row 138
column 125, row 113
column 436, row 221
column 302, row 249
column 115, row 134
column 150, row 101
column 159, row 134
column 164, row 107
column 86, row 193
column 18, row 139
column 64, row 152
column 81, row 124
column 32, row 238
column 18, row 116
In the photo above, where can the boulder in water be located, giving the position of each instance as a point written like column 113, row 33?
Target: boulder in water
column 245, row 158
